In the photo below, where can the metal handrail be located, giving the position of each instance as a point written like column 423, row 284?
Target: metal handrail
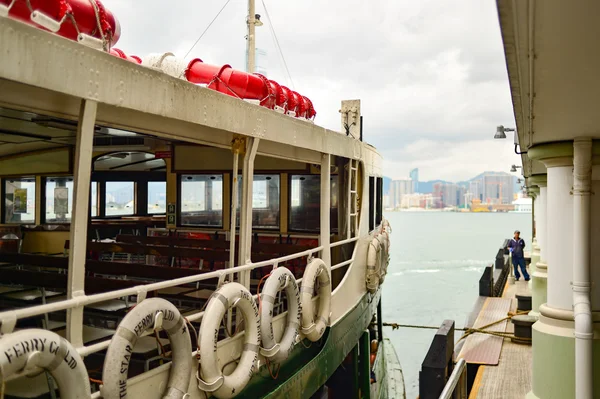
column 456, row 387
column 143, row 289
column 11, row 316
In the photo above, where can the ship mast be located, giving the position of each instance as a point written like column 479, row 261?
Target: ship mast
column 252, row 21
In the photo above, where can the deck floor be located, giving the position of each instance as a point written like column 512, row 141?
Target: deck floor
column 511, row 378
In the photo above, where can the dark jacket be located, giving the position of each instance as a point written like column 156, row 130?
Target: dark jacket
column 517, row 246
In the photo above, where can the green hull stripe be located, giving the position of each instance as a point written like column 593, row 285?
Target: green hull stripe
column 308, row 369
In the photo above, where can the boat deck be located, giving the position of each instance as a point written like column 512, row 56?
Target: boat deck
column 511, row 378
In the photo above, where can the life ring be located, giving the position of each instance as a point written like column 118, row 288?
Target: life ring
column 314, row 327
column 142, row 317
column 373, row 264
column 28, row 349
column 211, row 378
column 280, row 278
column 384, row 256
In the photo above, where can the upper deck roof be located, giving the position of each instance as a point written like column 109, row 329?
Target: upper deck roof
column 47, row 74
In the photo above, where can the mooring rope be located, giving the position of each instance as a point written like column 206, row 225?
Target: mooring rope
column 468, row 331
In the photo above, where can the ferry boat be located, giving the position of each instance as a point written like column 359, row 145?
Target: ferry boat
column 173, row 229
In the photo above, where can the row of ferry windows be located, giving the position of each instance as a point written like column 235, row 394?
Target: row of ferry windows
column 200, row 200
column 20, row 199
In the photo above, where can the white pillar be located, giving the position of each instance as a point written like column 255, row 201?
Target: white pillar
column 79, row 221
column 559, row 248
column 541, row 220
column 595, row 239
column 582, row 307
column 325, row 209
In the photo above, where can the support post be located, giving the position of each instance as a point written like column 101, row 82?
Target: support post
column 236, row 147
column 379, row 322
column 79, row 220
column 582, row 306
column 325, row 234
column 251, row 38
column 244, row 255
column 365, row 365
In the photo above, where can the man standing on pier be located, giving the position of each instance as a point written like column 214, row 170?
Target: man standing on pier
column 516, row 246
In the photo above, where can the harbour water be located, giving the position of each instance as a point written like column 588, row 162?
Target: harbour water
column 436, row 261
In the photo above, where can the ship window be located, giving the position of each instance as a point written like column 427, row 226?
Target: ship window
column 265, row 201
column 59, row 199
column 157, row 197
column 305, row 202
column 371, row 203
column 201, row 200
column 120, row 198
column 19, row 200
column 379, row 202
column 94, row 199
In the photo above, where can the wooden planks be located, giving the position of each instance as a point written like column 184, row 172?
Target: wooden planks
column 485, row 348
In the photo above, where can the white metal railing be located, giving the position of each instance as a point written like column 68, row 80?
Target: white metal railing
column 10, row 317
column 456, row 387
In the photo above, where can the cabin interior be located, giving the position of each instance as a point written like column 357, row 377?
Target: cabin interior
column 158, row 210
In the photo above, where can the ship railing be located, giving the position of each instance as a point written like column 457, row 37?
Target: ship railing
column 9, row 318
column 456, row 387
column 346, row 262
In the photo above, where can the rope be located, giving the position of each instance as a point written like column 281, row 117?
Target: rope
column 207, row 28
column 272, row 29
column 468, row 331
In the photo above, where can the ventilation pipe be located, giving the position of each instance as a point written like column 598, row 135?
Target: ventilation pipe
column 582, row 309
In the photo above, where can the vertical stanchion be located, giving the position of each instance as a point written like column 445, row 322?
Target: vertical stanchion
column 79, row 221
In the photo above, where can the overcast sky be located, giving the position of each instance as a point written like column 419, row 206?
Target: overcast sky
column 430, row 74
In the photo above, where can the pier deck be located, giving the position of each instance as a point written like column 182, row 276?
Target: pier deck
column 511, row 378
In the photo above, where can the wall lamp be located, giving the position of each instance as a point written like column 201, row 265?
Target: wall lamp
column 501, row 134
column 514, row 168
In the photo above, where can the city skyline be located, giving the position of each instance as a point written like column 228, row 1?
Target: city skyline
column 493, row 188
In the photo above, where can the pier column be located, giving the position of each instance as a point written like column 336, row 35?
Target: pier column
column 534, row 193
column 553, row 366
column 539, row 272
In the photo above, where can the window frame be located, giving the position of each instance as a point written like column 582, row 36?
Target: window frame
column 3, row 182
column 180, row 197
column 332, row 227
column 140, row 179
column 43, row 220
column 272, row 228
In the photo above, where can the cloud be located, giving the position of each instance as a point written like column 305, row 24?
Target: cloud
column 431, row 74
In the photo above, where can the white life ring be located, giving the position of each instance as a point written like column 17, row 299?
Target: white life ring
column 28, row 349
column 385, row 255
column 373, row 264
column 314, row 327
column 212, row 378
column 142, row 317
column 280, row 278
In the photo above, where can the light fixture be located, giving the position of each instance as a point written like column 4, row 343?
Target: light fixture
column 257, row 21
column 501, row 134
column 514, row 168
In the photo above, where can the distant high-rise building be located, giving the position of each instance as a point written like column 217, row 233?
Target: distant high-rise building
column 493, row 188
column 414, row 176
column 398, row 189
column 447, row 195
